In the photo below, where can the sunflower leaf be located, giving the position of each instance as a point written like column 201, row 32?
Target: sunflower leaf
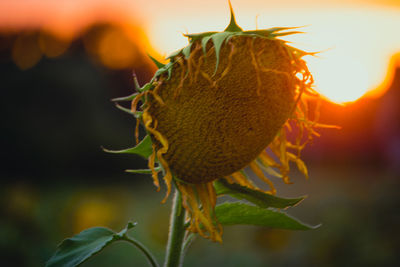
column 218, row 39
column 232, row 27
column 124, row 109
column 136, row 82
column 279, row 29
column 256, row 197
column 272, row 32
column 145, row 171
column 169, row 73
column 204, row 42
column 125, row 98
column 79, row 248
column 285, row 33
column 186, row 51
column 165, row 68
column 268, row 169
column 144, row 148
column 158, row 63
column 240, row 213
column 197, row 36
column 146, row 87
column 174, row 54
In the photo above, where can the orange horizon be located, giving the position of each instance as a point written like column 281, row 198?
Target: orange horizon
column 365, row 64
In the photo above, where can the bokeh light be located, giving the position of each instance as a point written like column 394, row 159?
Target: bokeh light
column 26, row 51
column 355, row 43
column 356, row 38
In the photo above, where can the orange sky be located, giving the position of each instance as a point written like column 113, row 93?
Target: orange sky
column 359, row 37
column 74, row 13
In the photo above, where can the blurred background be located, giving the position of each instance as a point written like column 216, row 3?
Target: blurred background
column 62, row 61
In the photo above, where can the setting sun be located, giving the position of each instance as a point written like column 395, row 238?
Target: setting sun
column 355, row 39
column 355, row 45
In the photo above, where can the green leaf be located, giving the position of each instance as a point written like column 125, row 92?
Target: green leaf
column 145, row 171
column 158, row 63
column 169, row 73
column 144, row 148
column 285, row 33
column 275, row 30
column 186, row 51
column 146, row 87
column 174, row 54
column 218, row 39
column 268, row 169
column 124, row 109
column 136, row 83
column 137, row 114
column 259, row 198
column 197, row 36
column 166, row 68
column 76, row 250
column 232, row 27
column 272, row 32
column 204, row 42
column 239, row 213
column 125, row 98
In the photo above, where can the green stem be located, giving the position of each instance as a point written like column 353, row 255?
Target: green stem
column 142, row 248
column 174, row 255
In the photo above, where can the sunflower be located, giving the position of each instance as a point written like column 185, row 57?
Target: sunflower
column 226, row 101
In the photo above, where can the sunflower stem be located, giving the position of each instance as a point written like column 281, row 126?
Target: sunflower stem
column 175, row 252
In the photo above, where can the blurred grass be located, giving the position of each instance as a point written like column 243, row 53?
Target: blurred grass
column 359, row 217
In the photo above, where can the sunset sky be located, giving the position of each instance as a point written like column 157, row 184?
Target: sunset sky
column 358, row 38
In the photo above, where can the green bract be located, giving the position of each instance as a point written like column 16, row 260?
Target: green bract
column 217, row 38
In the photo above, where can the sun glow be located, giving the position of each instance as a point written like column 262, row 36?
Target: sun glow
column 340, row 84
column 355, row 45
column 356, row 38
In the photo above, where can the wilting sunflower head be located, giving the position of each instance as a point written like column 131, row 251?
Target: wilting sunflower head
column 216, row 107
column 217, row 121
